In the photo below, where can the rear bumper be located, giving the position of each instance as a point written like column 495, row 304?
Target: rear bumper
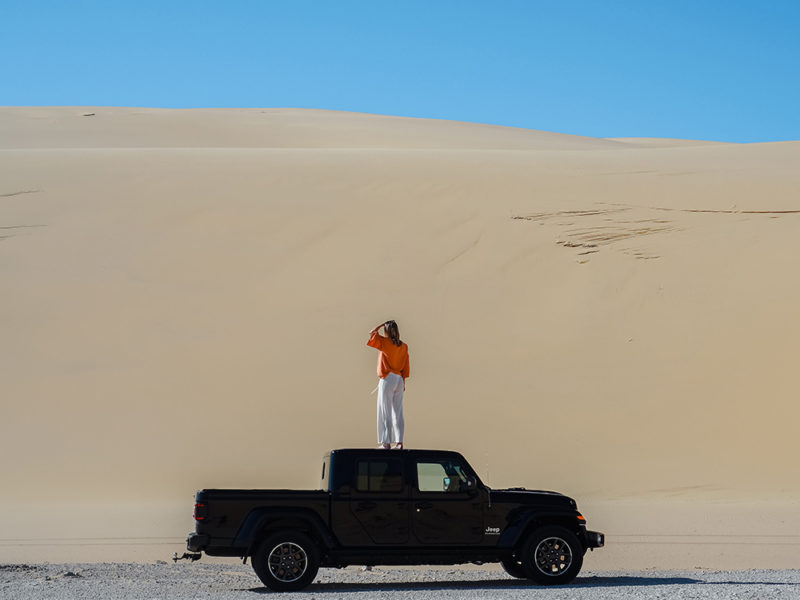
column 595, row 539
column 196, row 542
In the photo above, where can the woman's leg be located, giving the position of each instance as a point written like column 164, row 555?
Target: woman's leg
column 384, row 414
column 398, row 423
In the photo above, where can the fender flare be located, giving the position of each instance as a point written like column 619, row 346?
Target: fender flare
column 515, row 533
column 258, row 518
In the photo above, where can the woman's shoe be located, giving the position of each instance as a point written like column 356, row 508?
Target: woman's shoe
column 398, row 446
column 384, row 446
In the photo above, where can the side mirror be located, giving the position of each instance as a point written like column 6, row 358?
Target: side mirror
column 472, row 485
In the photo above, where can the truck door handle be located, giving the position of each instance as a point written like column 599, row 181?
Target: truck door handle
column 366, row 505
column 423, row 506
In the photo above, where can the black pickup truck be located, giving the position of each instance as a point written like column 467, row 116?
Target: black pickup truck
column 393, row 507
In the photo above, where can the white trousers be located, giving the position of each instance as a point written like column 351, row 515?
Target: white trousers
column 390, row 409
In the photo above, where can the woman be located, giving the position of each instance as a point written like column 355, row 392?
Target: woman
column 393, row 369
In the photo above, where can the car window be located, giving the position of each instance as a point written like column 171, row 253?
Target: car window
column 441, row 476
column 383, row 475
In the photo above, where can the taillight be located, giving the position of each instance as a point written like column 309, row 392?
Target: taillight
column 200, row 512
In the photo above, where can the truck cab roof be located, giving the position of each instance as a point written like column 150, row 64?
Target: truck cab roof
column 405, row 451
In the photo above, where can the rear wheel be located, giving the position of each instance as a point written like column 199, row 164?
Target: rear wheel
column 552, row 555
column 286, row 561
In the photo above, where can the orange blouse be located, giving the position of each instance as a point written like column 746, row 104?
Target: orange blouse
column 392, row 359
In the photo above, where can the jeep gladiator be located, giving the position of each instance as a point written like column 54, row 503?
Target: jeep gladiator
column 393, row 507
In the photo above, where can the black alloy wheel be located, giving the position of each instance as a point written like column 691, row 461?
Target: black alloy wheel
column 552, row 555
column 286, row 561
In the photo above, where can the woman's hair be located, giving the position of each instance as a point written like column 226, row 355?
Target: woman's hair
column 393, row 332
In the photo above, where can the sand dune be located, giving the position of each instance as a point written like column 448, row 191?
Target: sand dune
column 187, row 293
column 663, row 142
column 87, row 127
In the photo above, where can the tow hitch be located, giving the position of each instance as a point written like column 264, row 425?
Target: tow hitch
column 193, row 556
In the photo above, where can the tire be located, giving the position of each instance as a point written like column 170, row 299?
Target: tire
column 286, row 561
column 552, row 555
column 514, row 568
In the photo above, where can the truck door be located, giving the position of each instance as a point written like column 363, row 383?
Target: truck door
column 444, row 510
column 379, row 500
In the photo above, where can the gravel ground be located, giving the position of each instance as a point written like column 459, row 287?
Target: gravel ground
column 222, row 582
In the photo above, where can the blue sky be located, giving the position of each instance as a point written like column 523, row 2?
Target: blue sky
column 706, row 69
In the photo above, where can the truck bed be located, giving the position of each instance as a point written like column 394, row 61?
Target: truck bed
column 232, row 515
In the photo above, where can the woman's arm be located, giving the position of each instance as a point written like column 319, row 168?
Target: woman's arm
column 375, row 340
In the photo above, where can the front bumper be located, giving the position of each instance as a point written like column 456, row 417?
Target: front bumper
column 595, row 539
column 196, row 542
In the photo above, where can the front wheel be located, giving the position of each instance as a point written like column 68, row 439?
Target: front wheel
column 286, row 561
column 552, row 555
